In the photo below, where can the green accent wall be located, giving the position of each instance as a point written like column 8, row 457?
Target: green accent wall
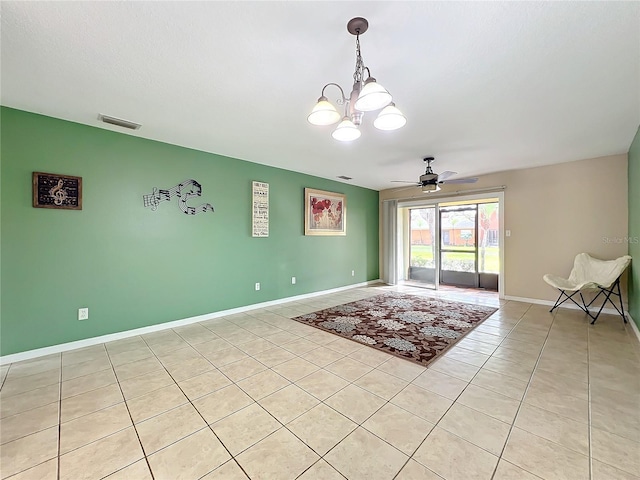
column 634, row 228
column 133, row 267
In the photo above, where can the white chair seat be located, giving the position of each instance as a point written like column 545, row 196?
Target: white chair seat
column 566, row 284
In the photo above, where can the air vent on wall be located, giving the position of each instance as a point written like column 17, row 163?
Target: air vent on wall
column 119, row 122
column 344, row 177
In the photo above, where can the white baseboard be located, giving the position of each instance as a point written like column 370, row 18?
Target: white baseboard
column 634, row 327
column 538, row 301
column 87, row 342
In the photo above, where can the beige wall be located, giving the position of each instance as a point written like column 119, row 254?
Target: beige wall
column 554, row 213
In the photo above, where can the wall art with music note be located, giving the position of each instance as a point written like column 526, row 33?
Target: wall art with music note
column 182, row 192
column 51, row 190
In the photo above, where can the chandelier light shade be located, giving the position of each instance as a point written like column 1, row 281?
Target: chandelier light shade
column 373, row 96
column 390, row 118
column 346, row 131
column 367, row 95
column 324, row 113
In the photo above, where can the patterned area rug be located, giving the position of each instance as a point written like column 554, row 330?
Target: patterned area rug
column 413, row 327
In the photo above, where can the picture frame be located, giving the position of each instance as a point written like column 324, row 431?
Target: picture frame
column 51, row 190
column 325, row 213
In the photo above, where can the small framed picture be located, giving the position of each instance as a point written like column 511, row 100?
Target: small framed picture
column 325, row 213
column 51, row 190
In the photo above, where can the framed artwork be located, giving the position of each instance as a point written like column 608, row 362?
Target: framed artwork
column 51, row 190
column 325, row 213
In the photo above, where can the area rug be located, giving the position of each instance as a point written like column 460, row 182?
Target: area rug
column 413, row 327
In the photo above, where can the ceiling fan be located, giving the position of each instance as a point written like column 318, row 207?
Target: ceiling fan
column 430, row 182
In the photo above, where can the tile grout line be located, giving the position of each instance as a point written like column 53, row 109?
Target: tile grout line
column 389, row 402
column 242, row 326
column 42, row 429
column 293, row 383
column 321, row 457
column 124, row 399
column 524, row 396
column 207, row 425
column 188, row 344
column 452, row 404
column 320, row 401
column 270, row 368
column 6, row 375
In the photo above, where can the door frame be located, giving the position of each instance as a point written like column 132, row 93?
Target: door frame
column 435, row 201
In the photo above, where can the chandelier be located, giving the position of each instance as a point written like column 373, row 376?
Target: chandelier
column 367, row 95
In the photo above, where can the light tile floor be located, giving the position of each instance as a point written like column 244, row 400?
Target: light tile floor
column 526, row 395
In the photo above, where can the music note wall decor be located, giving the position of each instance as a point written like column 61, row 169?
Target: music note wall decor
column 51, row 190
column 260, row 217
column 183, row 191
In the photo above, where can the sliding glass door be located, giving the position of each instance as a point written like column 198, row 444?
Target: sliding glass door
column 455, row 243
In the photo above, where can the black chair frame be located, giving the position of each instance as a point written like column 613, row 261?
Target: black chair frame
column 607, row 292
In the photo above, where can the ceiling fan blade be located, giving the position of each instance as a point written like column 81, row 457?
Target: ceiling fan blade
column 462, row 180
column 445, row 175
column 404, row 181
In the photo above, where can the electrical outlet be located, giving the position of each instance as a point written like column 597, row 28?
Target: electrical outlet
column 83, row 314
column 293, row 280
column 257, row 286
column 353, row 273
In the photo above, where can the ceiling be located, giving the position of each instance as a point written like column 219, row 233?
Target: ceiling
column 485, row 86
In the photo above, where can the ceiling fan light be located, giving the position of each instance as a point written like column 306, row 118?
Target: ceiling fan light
column 430, row 187
column 324, row 113
column 390, row 118
column 373, row 96
column 346, row 131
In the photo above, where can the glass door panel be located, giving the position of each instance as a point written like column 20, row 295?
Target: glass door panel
column 459, row 261
column 458, row 245
column 423, row 246
column 489, row 246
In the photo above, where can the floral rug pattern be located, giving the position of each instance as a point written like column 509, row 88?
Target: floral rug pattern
column 413, row 327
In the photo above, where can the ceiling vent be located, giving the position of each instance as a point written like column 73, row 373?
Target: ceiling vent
column 118, row 122
column 344, row 177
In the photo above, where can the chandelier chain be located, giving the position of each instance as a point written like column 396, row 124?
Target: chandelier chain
column 357, row 75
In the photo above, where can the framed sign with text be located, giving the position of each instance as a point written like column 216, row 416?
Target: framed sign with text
column 260, row 205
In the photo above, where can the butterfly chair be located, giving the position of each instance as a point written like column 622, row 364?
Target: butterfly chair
column 591, row 274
